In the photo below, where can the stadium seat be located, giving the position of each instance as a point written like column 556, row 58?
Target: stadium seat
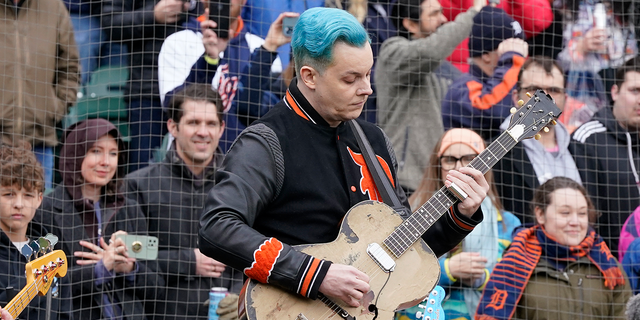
column 103, row 98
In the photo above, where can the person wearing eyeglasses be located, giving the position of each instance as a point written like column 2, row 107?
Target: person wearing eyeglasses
column 466, row 268
column 532, row 162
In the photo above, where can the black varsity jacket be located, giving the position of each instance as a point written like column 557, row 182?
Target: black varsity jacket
column 289, row 179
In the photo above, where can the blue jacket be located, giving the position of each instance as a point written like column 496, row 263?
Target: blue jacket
column 481, row 102
column 84, row 7
column 631, row 265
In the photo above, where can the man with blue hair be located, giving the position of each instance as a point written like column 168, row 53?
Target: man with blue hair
column 291, row 176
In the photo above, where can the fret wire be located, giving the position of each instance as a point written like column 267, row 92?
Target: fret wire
column 414, row 235
column 388, row 242
column 479, row 159
column 420, row 221
column 434, row 208
column 420, row 226
column 413, row 225
column 393, row 244
column 420, row 215
column 404, row 245
column 499, row 143
column 403, row 242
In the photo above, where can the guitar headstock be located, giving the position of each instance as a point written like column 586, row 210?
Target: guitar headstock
column 532, row 116
column 433, row 307
column 41, row 271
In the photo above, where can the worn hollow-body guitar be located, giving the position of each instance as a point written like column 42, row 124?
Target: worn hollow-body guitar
column 40, row 272
column 401, row 267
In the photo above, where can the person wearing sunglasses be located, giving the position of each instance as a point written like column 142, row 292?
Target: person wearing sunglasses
column 532, row 162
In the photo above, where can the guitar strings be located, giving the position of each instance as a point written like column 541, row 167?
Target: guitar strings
column 373, row 270
column 13, row 307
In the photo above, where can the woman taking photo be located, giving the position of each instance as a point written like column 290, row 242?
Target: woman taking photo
column 87, row 212
column 559, row 268
column 465, row 269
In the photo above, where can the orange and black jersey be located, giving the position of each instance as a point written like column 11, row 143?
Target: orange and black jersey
column 289, row 179
column 481, row 102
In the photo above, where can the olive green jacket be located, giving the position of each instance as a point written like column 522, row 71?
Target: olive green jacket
column 576, row 294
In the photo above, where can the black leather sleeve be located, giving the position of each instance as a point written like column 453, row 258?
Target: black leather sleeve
column 450, row 229
column 248, row 180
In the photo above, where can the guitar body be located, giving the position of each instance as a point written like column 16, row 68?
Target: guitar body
column 416, row 268
column 416, row 272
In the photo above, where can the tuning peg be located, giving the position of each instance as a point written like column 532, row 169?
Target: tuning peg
column 553, row 122
column 537, row 136
column 513, row 110
column 27, row 252
column 546, row 129
column 44, row 244
column 529, row 95
column 53, row 239
column 520, row 103
column 35, row 247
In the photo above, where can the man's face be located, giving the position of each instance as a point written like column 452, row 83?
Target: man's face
column 198, row 132
column 626, row 106
column 342, row 89
column 17, row 208
column 534, row 78
column 431, row 18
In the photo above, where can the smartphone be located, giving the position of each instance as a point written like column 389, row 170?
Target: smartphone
column 140, row 247
column 287, row 25
column 219, row 12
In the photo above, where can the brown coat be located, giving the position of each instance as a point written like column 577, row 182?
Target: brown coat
column 39, row 68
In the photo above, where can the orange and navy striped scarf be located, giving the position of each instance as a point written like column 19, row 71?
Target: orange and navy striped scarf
column 510, row 276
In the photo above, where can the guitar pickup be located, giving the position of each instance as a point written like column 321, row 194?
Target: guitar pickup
column 381, row 257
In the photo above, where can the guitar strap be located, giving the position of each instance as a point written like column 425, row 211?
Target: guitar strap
column 386, row 190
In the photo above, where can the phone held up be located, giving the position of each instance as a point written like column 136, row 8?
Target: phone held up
column 219, row 11
column 287, row 25
column 140, row 247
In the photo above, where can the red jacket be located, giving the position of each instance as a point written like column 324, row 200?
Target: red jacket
column 533, row 15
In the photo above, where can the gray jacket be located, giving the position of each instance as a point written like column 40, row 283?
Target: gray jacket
column 410, row 93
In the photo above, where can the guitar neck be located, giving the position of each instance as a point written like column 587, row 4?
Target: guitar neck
column 21, row 300
column 424, row 217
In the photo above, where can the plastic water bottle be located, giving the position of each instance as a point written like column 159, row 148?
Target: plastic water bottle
column 215, row 295
column 600, row 16
column 600, row 20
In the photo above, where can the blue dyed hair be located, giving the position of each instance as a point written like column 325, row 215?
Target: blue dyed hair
column 318, row 30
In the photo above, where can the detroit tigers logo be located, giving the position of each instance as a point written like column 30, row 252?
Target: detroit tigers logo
column 604, row 250
column 517, row 29
column 498, row 299
column 367, row 184
column 227, row 87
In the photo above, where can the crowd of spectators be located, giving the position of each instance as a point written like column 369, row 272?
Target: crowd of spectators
column 445, row 78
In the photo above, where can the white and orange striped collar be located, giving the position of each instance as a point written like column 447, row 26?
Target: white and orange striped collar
column 296, row 102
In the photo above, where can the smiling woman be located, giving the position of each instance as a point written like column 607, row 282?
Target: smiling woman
column 87, row 212
column 561, row 264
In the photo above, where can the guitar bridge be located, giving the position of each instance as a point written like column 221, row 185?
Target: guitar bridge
column 381, row 257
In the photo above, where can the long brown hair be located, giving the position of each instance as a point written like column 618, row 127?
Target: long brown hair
column 432, row 182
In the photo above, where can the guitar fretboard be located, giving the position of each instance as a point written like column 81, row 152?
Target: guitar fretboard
column 22, row 300
column 424, row 217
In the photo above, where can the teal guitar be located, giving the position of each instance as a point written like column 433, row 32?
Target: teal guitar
column 429, row 309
